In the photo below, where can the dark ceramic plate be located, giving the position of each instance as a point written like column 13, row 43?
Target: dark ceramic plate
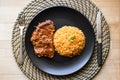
column 59, row 65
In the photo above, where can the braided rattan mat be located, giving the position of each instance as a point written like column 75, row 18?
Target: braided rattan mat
column 88, row 9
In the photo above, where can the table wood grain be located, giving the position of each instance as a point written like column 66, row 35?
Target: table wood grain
column 9, row 10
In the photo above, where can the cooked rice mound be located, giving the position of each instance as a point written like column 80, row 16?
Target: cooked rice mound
column 69, row 41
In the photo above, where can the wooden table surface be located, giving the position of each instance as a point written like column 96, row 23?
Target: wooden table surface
column 9, row 10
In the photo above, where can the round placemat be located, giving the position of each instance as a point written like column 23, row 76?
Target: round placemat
column 89, row 10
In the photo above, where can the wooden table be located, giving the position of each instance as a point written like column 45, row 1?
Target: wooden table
column 9, row 10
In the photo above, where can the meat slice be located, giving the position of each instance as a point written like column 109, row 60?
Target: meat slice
column 42, row 39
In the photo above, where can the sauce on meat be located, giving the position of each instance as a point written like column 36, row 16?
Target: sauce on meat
column 42, row 39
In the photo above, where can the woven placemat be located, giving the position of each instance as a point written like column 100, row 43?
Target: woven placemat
column 88, row 9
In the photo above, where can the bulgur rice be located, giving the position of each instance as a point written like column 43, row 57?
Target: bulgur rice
column 69, row 41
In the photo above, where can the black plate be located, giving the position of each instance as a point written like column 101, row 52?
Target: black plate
column 61, row 65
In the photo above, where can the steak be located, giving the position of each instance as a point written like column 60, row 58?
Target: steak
column 42, row 39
